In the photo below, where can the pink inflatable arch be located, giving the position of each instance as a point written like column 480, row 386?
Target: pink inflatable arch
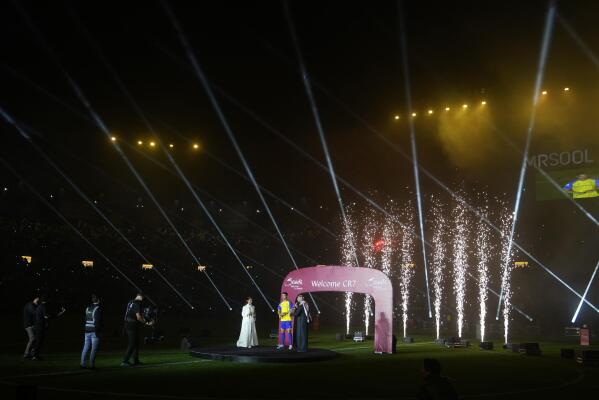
column 324, row 278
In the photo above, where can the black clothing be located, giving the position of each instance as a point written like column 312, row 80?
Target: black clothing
column 437, row 387
column 133, row 308
column 132, row 328
column 40, row 321
column 29, row 315
column 133, row 345
column 93, row 319
column 301, row 328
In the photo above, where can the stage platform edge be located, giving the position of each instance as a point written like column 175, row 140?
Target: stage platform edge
column 261, row 354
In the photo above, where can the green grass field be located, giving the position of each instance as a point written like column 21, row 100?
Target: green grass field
column 169, row 373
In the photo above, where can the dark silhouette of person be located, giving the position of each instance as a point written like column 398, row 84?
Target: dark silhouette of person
column 435, row 387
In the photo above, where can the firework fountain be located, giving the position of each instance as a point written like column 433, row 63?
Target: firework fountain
column 506, row 255
column 460, row 261
column 388, row 247
column 369, row 255
column 348, row 251
column 483, row 251
column 407, row 261
column 438, row 259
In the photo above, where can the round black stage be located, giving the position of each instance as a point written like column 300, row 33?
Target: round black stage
column 261, row 354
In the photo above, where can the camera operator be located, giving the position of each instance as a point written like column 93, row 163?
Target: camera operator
column 134, row 320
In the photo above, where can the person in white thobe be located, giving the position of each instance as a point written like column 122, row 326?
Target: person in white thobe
column 248, row 336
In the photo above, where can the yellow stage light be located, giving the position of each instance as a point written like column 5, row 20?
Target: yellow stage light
column 147, row 266
column 152, row 144
column 413, row 114
column 430, row 112
column 396, row 117
column 27, row 259
column 201, row 268
column 87, row 264
column 139, row 142
column 113, row 138
column 484, row 102
column 566, row 89
column 464, row 105
column 171, row 145
column 544, row 92
column 196, row 146
column 447, row 108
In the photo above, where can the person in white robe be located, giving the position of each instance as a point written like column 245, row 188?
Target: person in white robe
column 248, row 336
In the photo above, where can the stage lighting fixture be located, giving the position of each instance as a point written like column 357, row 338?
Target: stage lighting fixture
column 484, row 102
column 27, row 259
column 201, row 268
column 413, row 114
column 196, row 146
column 171, row 145
column 396, row 117
column 430, row 112
column 544, row 92
column 520, row 264
column 566, row 89
column 147, row 266
column 87, row 264
column 113, row 138
column 248, row 267
column 447, row 108
column 139, row 142
column 152, row 144
column 464, row 105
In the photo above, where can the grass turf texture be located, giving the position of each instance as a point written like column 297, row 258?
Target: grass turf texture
column 357, row 373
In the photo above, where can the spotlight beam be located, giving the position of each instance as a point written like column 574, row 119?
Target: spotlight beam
column 549, row 22
column 69, row 224
column 576, row 37
column 584, row 295
column 214, row 223
column 408, row 97
column 252, row 114
column 10, row 120
column 100, row 123
column 315, row 114
column 265, row 190
column 200, row 75
column 222, row 203
column 183, row 177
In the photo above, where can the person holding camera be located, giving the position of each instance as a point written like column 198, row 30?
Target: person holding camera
column 93, row 330
column 40, row 327
column 134, row 320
